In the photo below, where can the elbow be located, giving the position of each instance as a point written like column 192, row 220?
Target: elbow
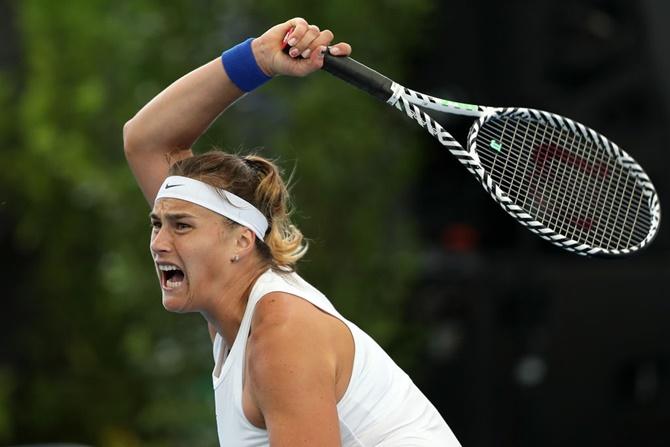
column 129, row 144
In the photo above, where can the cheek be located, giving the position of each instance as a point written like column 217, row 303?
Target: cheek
column 206, row 261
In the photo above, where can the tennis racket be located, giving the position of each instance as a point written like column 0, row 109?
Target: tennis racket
column 562, row 180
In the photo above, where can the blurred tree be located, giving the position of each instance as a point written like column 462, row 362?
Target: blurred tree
column 88, row 353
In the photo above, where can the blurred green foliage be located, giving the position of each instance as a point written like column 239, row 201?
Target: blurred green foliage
column 91, row 355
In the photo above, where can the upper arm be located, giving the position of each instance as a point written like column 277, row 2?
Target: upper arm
column 150, row 165
column 291, row 373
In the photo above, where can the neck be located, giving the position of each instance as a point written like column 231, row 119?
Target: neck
column 227, row 309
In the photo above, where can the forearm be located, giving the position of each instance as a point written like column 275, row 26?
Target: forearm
column 177, row 116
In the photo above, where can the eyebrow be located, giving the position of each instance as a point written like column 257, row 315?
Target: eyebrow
column 171, row 216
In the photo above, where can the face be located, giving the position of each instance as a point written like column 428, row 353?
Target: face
column 191, row 247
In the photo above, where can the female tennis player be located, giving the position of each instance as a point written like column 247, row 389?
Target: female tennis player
column 289, row 369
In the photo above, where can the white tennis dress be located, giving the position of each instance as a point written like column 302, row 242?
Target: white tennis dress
column 381, row 406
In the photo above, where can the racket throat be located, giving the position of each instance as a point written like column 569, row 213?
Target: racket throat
column 433, row 103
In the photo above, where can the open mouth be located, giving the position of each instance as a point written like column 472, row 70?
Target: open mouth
column 171, row 276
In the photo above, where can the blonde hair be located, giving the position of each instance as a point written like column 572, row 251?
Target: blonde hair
column 258, row 181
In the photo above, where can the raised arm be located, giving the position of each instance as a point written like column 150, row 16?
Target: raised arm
column 172, row 121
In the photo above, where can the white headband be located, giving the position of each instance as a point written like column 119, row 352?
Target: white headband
column 233, row 207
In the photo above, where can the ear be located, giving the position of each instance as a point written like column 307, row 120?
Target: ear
column 244, row 242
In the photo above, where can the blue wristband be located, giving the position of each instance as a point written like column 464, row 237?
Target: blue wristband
column 242, row 68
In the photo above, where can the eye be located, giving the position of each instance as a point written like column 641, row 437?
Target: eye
column 180, row 226
column 155, row 225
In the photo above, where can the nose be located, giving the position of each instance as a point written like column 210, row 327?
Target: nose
column 161, row 241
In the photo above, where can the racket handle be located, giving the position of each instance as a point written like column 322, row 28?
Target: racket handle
column 358, row 75
column 355, row 73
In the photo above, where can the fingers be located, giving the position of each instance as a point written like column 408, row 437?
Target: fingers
column 305, row 39
column 312, row 40
column 340, row 49
column 306, row 46
column 297, row 27
column 316, row 57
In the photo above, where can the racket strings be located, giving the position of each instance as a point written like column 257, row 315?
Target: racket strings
column 557, row 176
column 527, row 184
column 526, row 164
column 557, row 189
column 541, row 211
column 551, row 193
column 621, row 200
column 584, row 225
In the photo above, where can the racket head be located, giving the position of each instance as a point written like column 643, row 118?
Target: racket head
column 564, row 181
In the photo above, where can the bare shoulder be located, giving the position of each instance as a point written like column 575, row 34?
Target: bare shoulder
column 284, row 310
column 291, row 370
column 281, row 321
column 288, row 336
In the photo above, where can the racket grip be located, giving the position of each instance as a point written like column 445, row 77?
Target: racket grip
column 358, row 75
column 355, row 73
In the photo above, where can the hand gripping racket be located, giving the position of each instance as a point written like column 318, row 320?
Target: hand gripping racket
column 562, row 180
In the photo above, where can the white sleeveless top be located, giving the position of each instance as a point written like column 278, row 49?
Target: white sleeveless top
column 381, row 406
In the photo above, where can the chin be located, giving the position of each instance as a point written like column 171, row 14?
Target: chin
column 175, row 304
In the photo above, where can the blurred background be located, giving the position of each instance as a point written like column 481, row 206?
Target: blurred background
column 515, row 341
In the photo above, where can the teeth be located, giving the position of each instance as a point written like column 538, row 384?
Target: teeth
column 167, row 268
column 173, row 284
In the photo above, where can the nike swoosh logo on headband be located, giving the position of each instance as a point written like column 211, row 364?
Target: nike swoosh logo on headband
column 172, row 186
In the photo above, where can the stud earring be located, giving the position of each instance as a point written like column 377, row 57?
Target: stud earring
column 235, row 258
